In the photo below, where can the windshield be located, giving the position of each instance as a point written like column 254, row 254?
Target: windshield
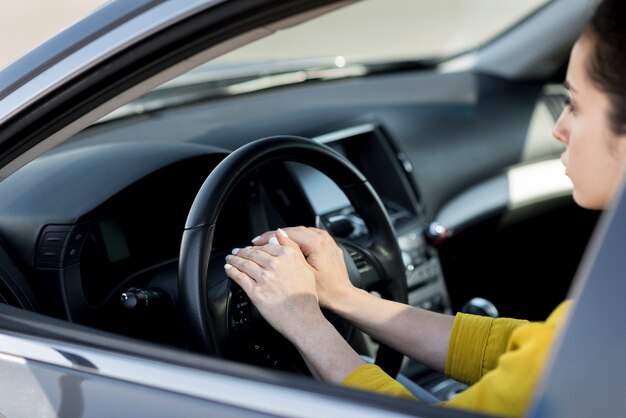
column 384, row 30
column 354, row 40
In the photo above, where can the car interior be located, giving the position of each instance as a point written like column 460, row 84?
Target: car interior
column 93, row 230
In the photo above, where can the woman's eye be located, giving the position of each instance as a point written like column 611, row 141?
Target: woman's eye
column 568, row 103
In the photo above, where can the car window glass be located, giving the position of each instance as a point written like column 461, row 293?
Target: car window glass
column 374, row 30
column 346, row 42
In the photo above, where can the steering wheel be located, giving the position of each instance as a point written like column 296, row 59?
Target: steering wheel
column 214, row 310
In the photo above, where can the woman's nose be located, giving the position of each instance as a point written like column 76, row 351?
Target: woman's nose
column 560, row 130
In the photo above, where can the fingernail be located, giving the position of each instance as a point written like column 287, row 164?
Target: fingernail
column 274, row 241
column 281, row 232
column 227, row 266
column 255, row 239
column 235, row 251
column 228, row 257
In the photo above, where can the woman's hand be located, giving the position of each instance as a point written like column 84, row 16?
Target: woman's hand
column 279, row 282
column 326, row 259
column 385, row 320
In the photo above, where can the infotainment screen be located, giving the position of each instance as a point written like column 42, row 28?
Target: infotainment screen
column 324, row 195
column 374, row 154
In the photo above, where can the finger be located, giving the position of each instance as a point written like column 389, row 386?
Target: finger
column 280, row 238
column 272, row 249
column 273, row 240
column 259, row 255
column 243, row 280
column 298, row 234
column 295, row 228
column 283, row 239
column 318, row 231
column 263, row 238
column 249, row 267
column 307, row 240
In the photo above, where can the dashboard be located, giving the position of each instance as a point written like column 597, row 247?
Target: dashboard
column 101, row 246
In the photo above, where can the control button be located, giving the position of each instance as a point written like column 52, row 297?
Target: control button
column 437, row 233
column 129, row 300
column 413, row 278
column 437, row 303
column 406, row 163
column 360, row 262
column 78, row 234
column 240, row 309
column 406, row 259
column 71, row 253
column 137, row 298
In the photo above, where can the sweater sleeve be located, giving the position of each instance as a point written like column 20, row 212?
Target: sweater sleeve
column 507, row 389
column 476, row 343
column 507, row 357
column 372, row 378
column 470, row 334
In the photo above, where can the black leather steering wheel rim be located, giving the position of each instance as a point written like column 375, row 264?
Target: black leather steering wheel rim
column 206, row 326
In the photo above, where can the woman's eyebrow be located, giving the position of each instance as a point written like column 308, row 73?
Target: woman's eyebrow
column 568, row 86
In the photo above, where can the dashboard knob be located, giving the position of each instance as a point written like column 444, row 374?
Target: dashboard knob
column 136, row 298
column 436, row 233
column 129, row 299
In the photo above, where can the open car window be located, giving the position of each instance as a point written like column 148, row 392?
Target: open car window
column 355, row 39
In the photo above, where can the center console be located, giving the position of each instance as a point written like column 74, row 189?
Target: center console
column 389, row 172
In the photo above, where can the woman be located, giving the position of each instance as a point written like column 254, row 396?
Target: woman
column 289, row 273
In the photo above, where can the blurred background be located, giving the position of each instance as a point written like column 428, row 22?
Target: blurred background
column 24, row 24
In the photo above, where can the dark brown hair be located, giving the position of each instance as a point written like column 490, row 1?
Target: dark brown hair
column 607, row 66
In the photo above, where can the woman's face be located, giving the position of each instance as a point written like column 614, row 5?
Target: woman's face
column 594, row 156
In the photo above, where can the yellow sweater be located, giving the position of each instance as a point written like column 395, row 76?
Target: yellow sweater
column 502, row 359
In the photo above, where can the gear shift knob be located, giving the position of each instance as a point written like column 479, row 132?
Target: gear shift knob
column 480, row 306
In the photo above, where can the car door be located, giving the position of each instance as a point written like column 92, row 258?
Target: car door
column 461, row 137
